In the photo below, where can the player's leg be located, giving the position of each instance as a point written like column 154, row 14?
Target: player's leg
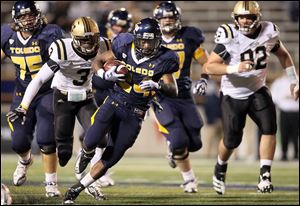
column 192, row 125
column 171, row 126
column 22, row 136
column 46, row 141
column 263, row 113
column 233, row 119
column 64, row 122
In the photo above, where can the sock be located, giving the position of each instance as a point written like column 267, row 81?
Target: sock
column 25, row 159
column 221, row 162
column 265, row 162
column 97, row 156
column 189, row 175
column 51, row 177
column 87, row 180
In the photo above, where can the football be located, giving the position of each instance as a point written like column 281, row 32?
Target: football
column 120, row 69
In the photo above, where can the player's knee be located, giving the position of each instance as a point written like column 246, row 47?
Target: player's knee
column 195, row 143
column 20, row 150
column 233, row 142
column 180, row 154
column 48, row 149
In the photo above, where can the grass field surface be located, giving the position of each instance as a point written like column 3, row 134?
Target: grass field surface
column 150, row 181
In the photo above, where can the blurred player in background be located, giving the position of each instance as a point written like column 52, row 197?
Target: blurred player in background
column 180, row 121
column 124, row 110
column 70, row 64
column 26, row 43
column 241, row 56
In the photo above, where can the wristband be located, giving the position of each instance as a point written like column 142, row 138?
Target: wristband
column 205, row 76
column 232, row 69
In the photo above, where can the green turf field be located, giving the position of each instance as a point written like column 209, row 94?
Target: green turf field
column 141, row 180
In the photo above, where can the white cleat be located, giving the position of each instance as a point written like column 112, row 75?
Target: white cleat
column 190, row 186
column 20, row 174
column 219, row 185
column 95, row 192
column 105, row 181
column 265, row 185
column 52, row 190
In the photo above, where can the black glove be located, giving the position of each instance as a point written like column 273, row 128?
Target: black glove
column 19, row 112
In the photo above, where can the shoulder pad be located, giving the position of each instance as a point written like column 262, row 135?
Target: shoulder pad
column 195, row 34
column 58, row 50
column 224, row 34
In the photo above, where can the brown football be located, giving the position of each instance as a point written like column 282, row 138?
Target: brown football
column 120, row 70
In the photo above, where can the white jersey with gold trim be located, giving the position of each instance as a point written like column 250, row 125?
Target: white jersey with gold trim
column 242, row 48
column 75, row 72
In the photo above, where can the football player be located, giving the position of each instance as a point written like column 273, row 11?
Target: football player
column 26, row 43
column 180, row 121
column 119, row 21
column 125, row 108
column 241, row 56
column 70, row 64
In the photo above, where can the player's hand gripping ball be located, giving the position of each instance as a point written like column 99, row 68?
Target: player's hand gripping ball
column 118, row 67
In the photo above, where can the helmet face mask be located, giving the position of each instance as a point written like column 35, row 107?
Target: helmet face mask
column 119, row 18
column 249, row 10
column 27, row 15
column 85, row 34
column 168, row 10
column 147, row 37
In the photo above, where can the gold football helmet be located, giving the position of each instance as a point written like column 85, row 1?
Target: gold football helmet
column 85, row 34
column 250, row 9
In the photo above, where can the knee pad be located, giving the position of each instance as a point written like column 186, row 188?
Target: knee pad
column 233, row 142
column 180, row 154
column 48, row 149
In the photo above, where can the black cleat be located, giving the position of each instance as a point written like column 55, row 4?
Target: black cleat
column 219, row 178
column 82, row 161
column 73, row 193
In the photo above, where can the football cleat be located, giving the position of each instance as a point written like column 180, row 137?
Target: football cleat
column 264, row 183
column 170, row 158
column 190, row 186
column 6, row 198
column 52, row 190
column 95, row 192
column 72, row 193
column 82, row 161
column 105, row 181
column 219, row 178
column 171, row 161
column 20, row 174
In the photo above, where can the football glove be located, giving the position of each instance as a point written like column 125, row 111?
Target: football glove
column 111, row 75
column 18, row 112
column 149, row 85
column 200, row 87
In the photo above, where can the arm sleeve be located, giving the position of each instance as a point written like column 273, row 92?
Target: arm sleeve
column 34, row 86
column 220, row 49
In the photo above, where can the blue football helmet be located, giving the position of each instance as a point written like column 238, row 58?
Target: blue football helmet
column 22, row 8
column 120, row 17
column 168, row 10
column 147, row 37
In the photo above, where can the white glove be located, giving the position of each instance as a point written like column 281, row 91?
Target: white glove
column 111, row 75
column 200, row 87
column 17, row 113
column 149, row 85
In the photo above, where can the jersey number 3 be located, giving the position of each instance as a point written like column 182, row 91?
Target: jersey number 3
column 258, row 57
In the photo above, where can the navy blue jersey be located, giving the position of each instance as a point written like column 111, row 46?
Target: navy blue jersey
column 29, row 55
column 187, row 43
column 164, row 62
